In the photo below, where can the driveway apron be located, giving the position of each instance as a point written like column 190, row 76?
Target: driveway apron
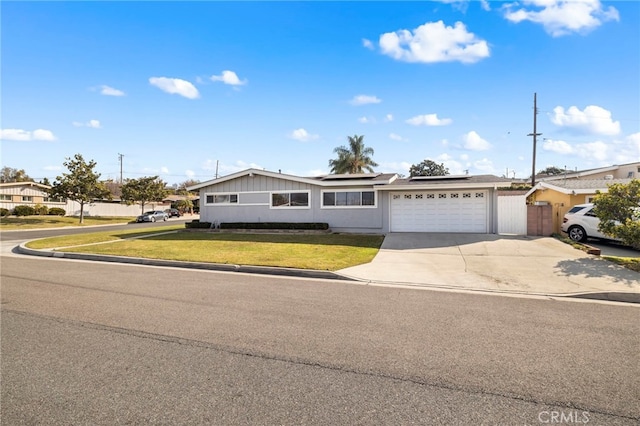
column 489, row 262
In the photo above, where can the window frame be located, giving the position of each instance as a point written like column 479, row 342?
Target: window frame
column 289, row 192
column 29, row 198
column 8, row 199
column 348, row 206
column 221, row 194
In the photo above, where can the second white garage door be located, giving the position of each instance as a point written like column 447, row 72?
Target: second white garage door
column 440, row 211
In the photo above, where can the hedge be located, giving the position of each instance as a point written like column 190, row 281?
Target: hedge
column 196, row 224
column 275, row 225
column 57, row 211
column 24, row 211
column 4, row 212
column 41, row 210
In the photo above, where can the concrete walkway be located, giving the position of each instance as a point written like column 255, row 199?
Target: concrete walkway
column 496, row 263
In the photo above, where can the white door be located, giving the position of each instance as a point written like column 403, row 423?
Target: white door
column 440, row 211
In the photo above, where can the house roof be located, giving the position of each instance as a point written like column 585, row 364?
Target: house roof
column 449, row 182
column 25, row 183
column 587, row 172
column 325, row 180
column 577, row 186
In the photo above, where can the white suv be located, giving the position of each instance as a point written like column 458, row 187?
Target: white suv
column 581, row 223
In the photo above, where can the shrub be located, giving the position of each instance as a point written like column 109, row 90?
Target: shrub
column 24, row 211
column 39, row 209
column 275, row 225
column 196, row 224
column 56, row 211
column 4, row 212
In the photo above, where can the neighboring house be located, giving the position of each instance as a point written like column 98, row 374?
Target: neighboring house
column 363, row 203
column 622, row 171
column 14, row 194
column 562, row 194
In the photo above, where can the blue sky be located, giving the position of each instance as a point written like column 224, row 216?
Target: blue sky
column 183, row 89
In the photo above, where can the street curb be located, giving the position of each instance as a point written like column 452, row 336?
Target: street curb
column 306, row 273
column 266, row 270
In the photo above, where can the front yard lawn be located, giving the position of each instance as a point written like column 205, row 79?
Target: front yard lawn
column 316, row 251
column 36, row 222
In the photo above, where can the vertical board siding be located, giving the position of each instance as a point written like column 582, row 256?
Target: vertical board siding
column 512, row 214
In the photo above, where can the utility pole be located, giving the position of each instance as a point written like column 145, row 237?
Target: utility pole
column 120, row 156
column 535, row 135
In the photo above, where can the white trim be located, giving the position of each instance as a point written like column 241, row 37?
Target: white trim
column 214, row 194
column 290, row 191
column 360, row 190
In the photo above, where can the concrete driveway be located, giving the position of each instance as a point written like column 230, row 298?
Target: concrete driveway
column 496, row 263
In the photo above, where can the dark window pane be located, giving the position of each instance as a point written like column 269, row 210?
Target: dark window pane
column 278, row 200
column 368, row 198
column 353, row 198
column 299, row 199
column 329, row 199
column 341, row 198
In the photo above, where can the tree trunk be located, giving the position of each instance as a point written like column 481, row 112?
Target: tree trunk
column 81, row 212
column 142, row 206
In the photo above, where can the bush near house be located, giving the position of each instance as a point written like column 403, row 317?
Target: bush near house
column 4, row 212
column 41, row 210
column 56, row 211
column 275, row 225
column 196, row 224
column 24, row 211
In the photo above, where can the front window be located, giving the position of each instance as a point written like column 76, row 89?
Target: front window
column 348, row 198
column 27, row 198
column 5, row 197
column 53, row 200
column 290, row 199
column 222, row 199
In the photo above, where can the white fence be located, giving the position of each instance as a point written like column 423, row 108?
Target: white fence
column 512, row 214
column 111, row 209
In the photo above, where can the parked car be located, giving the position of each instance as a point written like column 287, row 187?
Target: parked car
column 173, row 212
column 581, row 222
column 152, row 216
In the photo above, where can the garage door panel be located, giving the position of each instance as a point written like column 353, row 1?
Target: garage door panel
column 439, row 211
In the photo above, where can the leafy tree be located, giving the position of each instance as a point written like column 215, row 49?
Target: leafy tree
column 619, row 212
column 428, row 168
column 81, row 184
column 552, row 171
column 45, row 181
column 353, row 159
column 183, row 185
column 143, row 190
column 9, row 174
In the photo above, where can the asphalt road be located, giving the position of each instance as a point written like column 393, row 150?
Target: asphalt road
column 91, row 343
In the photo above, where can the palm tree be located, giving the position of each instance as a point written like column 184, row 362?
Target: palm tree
column 353, row 159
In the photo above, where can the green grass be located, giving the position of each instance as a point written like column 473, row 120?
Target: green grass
column 35, row 222
column 632, row 263
column 316, row 251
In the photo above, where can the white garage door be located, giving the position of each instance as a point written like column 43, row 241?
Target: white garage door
column 439, row 211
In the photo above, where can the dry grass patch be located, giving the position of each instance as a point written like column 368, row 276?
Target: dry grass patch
column 321, row 252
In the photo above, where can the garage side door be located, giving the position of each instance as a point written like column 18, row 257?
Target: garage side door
column 440, row 211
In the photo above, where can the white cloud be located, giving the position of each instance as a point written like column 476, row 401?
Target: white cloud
column 561, row 17
column 367, row 43
column 110, row 91
column 559, row 147
column 227, row 169
column 429, row 120
column 366, row 120
column 593, row 120
column 25, row 135
column 434, row 42
column 302, row 135
column 164, row 169
column 484, row 4
column 175, row 86
column 189, row 173
column 364, row 100
column 230, row 78
column 396, row 137
column 388, row 118
column 473, row 142
column 485, row 165
column 95, row 124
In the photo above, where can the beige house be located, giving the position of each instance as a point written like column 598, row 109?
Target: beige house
column 14, row 194
column 565, row 191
